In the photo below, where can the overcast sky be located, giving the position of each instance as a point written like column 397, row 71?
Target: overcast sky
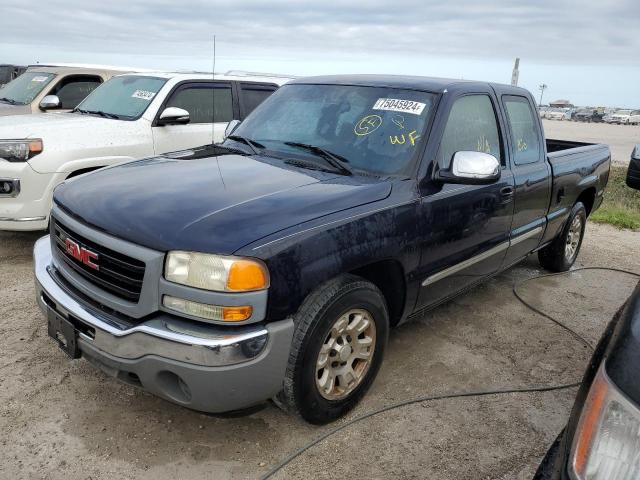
column 586, row 51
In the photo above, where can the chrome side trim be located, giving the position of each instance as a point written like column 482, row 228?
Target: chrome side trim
column 525, row 236
column 480, row 257
column 22, row 219
column 467, row 263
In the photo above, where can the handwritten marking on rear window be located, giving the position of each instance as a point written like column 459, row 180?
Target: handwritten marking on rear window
column 522, row 145
column 143, row 95
column 398, row 105
column 402, row 139
column 367, row 125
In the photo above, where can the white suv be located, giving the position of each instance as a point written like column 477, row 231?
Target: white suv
column 129, row 117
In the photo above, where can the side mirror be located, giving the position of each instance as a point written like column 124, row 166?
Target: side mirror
column 231, row 126
column 49, row 102
column 174, row 116
column 633, row 174
column 471, row 168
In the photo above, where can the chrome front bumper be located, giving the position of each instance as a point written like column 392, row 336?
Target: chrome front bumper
column 221, row 368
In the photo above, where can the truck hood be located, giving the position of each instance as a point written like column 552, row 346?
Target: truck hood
column 215, row 204
column 8, row 109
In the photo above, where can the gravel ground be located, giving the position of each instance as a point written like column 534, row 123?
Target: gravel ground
column 62, row 419
column 620, row 138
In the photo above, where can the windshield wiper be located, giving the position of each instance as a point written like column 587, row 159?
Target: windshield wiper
column 8, row 100
column 97, row 112
column 336, row 161
column 253, row 145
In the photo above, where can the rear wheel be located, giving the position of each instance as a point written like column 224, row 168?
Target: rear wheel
column 338, row 346
column 560, row 255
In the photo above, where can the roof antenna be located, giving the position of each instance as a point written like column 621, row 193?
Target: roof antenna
column 213, row 95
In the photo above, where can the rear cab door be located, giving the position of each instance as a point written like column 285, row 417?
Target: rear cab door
column 531, row 172
column 211, row 106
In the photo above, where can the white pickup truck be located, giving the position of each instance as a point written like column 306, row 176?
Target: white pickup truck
column 131, row 116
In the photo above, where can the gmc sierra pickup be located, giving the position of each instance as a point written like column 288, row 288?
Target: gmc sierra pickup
column 273, row 265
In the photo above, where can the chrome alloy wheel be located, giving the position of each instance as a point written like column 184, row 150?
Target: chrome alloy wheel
column 573, row 238
column 346, row 354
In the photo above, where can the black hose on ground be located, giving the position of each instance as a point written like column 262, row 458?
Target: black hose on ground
column 480, row 393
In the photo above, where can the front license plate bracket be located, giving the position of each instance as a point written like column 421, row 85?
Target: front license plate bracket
column 64, row 333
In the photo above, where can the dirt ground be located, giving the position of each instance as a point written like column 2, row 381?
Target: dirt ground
column 62, row 419
column 620, row 138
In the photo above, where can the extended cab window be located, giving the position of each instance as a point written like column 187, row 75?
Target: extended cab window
column 75, row 88
column 471, row 126
column 199, row 101
column 524, row 130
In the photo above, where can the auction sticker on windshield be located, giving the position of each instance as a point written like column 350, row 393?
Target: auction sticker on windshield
column 39, row 79
column 397, row 105
column 143, row 94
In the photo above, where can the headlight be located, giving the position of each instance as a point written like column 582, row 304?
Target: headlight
column 607, row 440
column 216, row 272
column 20, row 150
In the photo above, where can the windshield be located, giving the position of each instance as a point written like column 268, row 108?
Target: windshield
column 124, row 97
column 623, row 112
column 25, row 88
column 375, row 129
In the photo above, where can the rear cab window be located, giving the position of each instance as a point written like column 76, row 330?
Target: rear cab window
column 524, row 129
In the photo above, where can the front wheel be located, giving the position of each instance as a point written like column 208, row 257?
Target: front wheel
column 338, row 345
column 560, row 254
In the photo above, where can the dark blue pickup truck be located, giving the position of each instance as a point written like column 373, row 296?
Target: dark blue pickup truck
column 273, row 265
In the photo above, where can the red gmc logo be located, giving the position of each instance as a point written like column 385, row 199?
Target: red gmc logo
column 74, row 250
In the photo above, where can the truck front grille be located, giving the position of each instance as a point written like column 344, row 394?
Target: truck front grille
column 113, row 272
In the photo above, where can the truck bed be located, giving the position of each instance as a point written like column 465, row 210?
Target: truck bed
column 554, row 146
column 578, row 168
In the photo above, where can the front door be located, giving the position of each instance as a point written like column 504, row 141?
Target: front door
column 210, row 108
column 465, row 228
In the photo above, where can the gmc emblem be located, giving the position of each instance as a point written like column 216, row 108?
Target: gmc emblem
column 87, row 257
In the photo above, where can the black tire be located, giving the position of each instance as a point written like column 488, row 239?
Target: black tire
column 313, row 324
column 554, row 256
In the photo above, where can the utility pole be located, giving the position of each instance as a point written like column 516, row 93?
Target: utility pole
column 542, row 88
column 516, row 73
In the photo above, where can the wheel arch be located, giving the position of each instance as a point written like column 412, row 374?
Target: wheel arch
column 388, row 275
column 588, row 198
